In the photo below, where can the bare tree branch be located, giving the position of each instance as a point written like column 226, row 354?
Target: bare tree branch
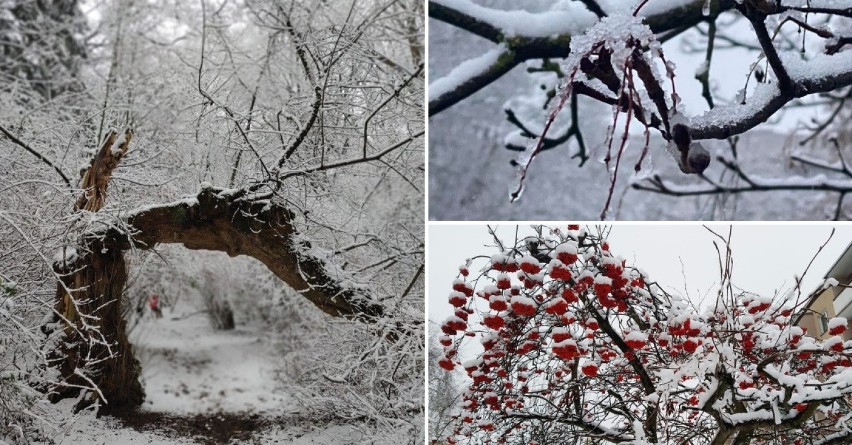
column 38, row 155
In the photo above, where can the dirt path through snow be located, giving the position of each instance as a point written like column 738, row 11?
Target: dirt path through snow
column 190, row 368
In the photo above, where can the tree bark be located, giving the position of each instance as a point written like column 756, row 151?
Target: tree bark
column 95, row 348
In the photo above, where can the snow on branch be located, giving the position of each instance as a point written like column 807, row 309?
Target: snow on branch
column 834, row 178
column 823, row 73
column 548, row 34
column 594, row 65
column 490, row 65
column 493, row 24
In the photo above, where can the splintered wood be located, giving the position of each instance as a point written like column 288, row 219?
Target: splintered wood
column 96, row 179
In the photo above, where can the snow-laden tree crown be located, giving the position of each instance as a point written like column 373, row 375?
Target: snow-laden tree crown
column 578, row 344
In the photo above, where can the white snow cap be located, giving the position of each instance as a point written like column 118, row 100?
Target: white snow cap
column 829, row 282
column 600, row 279
column 473, row 363
column 527, row 259
column 637, row 336
column 569, row 247
column 522, row 300
column 837, row 322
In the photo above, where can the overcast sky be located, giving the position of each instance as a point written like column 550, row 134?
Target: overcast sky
column 766, row 257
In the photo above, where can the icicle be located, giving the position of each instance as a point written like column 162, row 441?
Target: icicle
column 706, row 9
column 516, row 190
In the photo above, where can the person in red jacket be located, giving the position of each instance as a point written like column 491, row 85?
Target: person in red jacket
column 154, row 304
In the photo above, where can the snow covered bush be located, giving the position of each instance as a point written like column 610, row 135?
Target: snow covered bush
column 345, row 372
column 15, row 396
column 589, row 347
column 25, row 342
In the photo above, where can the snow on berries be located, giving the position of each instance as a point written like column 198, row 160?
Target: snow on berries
column 636, row 340
column 592, row 324
column 503, row 263
column 529, row 265
column 490, row 398
column 446, row 364
column 566, row 253
column 457, row 299
column 756, row 304
column 452, row 325
column 590, row 369
column 523, row 305
column 471, row 365
column 498, row 303
column 556, row 306
column 460, row 286
column 602, row 286
column 612, row 267
column 834, row 344
column 587, row 322
column 566, row 349
column 837, row 325
column 559, row 271
column 503, row 281
column 607, row 354
column 494, row 321
column 485, row 425
column 560, row 334
column 796, row 334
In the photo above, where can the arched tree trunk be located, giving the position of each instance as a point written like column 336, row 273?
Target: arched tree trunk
column 96, row 349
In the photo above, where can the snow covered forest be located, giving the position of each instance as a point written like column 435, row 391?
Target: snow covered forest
column 211, row 221
column 640, row 109
column 553, row 335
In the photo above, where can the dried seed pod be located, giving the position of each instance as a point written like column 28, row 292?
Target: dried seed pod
column 698, row 158
column 681, row 137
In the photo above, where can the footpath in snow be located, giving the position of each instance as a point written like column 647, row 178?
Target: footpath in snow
column 207, row 386
column 190, row 368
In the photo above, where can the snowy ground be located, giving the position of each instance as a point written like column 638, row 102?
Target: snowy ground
column 188, row 367
column 197, row 430
column 209, row 387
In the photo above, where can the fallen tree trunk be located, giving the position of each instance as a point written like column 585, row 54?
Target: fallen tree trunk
column 241, row 224
column 96, row 351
